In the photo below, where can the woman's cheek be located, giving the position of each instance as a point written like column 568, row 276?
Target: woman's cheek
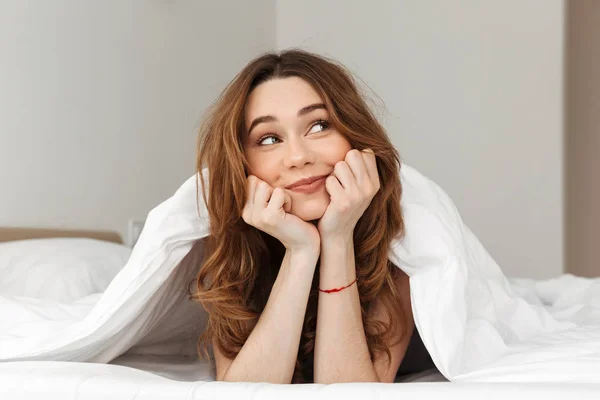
column 259, row 167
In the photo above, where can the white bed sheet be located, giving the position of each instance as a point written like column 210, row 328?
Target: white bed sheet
column 143, row 377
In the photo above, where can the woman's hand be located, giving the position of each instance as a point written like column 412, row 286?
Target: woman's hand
column 268, row 209
column 352, row 185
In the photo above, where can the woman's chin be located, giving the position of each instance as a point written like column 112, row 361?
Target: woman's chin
column 311, row 208
column 311, row 214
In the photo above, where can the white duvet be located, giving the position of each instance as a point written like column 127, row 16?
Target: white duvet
column 477, row 325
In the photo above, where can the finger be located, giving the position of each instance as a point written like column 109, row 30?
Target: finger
column 334, row 188
column 287, row 202
column 263, row 194
column 344, row 175
column 357, row 165
column 371, row 165
column 250, row 189
column 277, row 201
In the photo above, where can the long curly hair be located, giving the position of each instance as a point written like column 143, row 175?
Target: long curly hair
column 241, row 262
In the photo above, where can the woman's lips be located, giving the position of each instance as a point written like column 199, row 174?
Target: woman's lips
column 310, row 187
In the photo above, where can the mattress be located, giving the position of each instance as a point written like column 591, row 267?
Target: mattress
column 144, row 377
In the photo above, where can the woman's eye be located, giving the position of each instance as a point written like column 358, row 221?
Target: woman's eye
column 322, row 124
column 267, row 140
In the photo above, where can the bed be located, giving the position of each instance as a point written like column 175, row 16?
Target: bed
column 149, row 376
column 134, row 334
column 130, row 371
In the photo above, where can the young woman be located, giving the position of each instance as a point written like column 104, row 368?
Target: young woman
column 303, row 195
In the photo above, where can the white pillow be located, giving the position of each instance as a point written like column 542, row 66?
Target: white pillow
column 61, row 269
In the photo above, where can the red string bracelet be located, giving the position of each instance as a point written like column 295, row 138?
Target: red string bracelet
column 338, row 289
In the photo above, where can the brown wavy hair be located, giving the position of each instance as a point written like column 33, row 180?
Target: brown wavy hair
column 241, row 262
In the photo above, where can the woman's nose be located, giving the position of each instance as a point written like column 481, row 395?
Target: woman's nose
column 298, row 154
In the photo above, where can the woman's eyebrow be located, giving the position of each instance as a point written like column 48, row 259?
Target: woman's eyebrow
column 270, row 118
column 312, row 107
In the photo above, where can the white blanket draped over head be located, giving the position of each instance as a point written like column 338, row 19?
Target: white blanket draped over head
column 477, row 324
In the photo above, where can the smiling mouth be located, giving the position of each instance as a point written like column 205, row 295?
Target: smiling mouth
column 306, row 181
column 309, row 187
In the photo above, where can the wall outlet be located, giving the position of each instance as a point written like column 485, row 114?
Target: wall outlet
column 135, row 229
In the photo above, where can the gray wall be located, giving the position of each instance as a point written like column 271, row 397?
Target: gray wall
column 474, row 93
column 100, row 101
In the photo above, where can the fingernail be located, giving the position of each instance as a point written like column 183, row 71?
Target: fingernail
column 368, row 150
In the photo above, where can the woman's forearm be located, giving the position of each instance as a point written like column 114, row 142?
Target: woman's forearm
column 270, row 352
column 341, row 351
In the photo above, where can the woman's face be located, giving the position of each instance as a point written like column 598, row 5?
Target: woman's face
column 290, row 139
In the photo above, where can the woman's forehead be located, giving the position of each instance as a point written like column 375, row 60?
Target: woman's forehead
column 281, row 98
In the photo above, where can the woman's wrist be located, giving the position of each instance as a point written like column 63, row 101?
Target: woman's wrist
column 336, row 243
column 337, row 261
column 305, row 252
